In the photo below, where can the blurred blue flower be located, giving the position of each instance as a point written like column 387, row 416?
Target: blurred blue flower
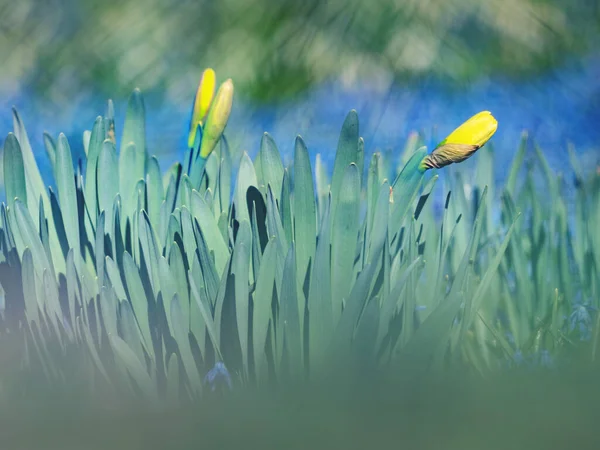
column 581, row 318
column 217, row 375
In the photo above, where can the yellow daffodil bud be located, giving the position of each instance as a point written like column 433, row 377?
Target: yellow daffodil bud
column 462, row 142
column 202, row 101
column 217, row 118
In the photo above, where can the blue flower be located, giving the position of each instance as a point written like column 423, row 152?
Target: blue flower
column 217, row 375
column 581, row 318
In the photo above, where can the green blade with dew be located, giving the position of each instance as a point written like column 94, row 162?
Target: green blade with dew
column 14, row 171
column 346, row 154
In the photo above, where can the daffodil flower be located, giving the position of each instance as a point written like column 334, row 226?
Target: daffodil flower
column 205, row 136
column 462, row 142
column 202, row 101
column 218, row 116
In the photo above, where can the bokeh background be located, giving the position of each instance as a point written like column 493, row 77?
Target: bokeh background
column 300, row 66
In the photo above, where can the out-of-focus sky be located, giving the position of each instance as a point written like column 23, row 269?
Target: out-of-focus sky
column 274, row 49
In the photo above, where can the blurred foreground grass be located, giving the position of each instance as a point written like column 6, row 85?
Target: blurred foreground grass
column 526, row 410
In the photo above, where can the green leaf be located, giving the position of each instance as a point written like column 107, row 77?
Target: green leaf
column 99, row 250
column 404, row 192
column 134, row 367
column 93, row 154
column 66, row 192
column 129, row 329
column 319, row 296
column 127, row 178
column 29, row 295
column 168, row 289
column 14, row 171
column 490, row 273
column 134, row 131
column 179, row 273
column 84, row 331
column 180, row 330
column 511, row 181
column 263, row 297
column 50, row 147
column 150, row 250
column 208, row 320
column 108, row 181
column 271, row 165
column 31, row 239
column 155, row 191
column 289, row 318
column 210, row 231
column 72, row 288
column 343, row 240
column 224, row 179
column 378, row 235
column 305, row 224
column 173, row 379
column 323, row 190
column 139, row 301
column 240, row 268
column 108, row 307
column 285, row 207
column 346, row 154
column 246, row 178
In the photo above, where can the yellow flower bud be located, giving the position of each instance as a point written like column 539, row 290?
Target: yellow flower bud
column 202, row 101
column 217, row 118
column 462, row 142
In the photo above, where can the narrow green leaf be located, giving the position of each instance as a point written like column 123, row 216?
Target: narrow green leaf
column 271, row 165
column 263, row 297
column 95, row 147
column 14, row 171
column 180, row 330
column 346, row 154
column 305, row 223
column 134, row 131
column 66, row 191
column 343, row 240
column 155, row 191
column 246, row 178
column 241, row 266
column 108, row 181
column 139, row 301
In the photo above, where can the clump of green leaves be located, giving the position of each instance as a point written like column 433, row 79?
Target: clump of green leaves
column 133, row 280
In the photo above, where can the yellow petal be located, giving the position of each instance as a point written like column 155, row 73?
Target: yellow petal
column 475, row 131
column 217, row 118
column 202, row 101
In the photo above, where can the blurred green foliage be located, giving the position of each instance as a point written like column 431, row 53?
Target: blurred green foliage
column 277, row 49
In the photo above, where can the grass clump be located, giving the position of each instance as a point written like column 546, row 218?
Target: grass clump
column 131, row 282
